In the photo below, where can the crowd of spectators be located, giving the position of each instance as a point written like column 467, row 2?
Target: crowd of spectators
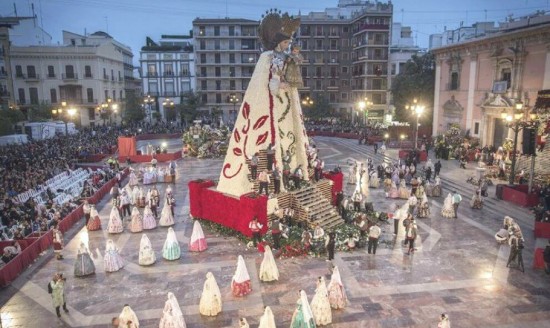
column 28, row 166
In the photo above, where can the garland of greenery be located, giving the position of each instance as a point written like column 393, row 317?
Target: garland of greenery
column 292, row 246
column 287, row 109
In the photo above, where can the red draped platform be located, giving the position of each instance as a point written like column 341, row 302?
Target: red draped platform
column 147, row 158
column 542, row 230
column 33, row 245
column 205, row 202
column 538, row 262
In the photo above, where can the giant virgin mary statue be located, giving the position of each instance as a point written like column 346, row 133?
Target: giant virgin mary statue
column 270, row 112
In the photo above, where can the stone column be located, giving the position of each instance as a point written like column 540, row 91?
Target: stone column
column 471, row 91
column 437, row 91
column 546, row 79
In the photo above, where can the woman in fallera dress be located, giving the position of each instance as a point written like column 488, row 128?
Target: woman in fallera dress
column 112, row 261
column 387, row 185
column 336, row 292
column 136, row 225
column 135, row 195
column 172, row 317
column 171, row 250
column 197, row 243
column 476, row 202
column 448, row 210
column 403, row 191
column 84, row 265
column 320, row 304
column 128, row 318
column 436, row 189
column 240, row 284
column 267, row 320
column 146, row 252
column 95, row 222
column 428, row 188
column 133, row 179
column 374, row 181
column 394, row 192
column 115, row 223
column 303, row 316
column 268, row 268
column 424, row 207
column 149, row 221
column 166, row 217
column 211, row 298
column 141, row 199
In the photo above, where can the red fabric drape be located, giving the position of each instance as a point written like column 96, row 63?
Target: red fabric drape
column 126, row 146
column 538, row 261
column 235, row 213
column 542, row 230
column 338, row 183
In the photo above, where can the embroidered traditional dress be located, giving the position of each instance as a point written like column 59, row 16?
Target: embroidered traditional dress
column 146, row 253
column 211, row 298
column 424, row 207
column 403, row 191
column 135, row 195
column 336, row 292
column 83, row 265
column 95, row 222
column 394, row 192
column 303, row 316
column 141, row 198
column 436, row 190
column 128, row 318
column 428, row 189
column 267, row 320
column 112, row 261
column 197, row 243
column 374, row 181
column 136, row 225
column 240, row 284
column 171, row 250
column 149, row 221
column 268, row 268
column 172, row 317
column 115, row 223
column 133, row 180
column 320, row 304
column 166, row 217
column 448, row 210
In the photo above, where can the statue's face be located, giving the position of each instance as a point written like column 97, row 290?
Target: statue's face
column 283, row 45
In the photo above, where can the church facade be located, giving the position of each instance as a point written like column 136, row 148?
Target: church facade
column 480, row 79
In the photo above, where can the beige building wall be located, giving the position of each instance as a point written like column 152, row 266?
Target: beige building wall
column 467, row 73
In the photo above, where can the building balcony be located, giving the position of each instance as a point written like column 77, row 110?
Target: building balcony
column 20, row 76
column 365, row 27
column 32, row 78
column 51, row 76
column 90, row 101
column 106, row 77
column 168, row 94
column 120, row 79
column 88, row 76
column 3, row 75
column 69, row 76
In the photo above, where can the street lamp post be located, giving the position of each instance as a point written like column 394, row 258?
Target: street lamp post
column 169, row 104
column 148, row 100
column 517, row 122
column 234, row 100
column 364, row 106
column 417, row 110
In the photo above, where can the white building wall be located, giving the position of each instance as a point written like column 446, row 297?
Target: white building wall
column 29, row 33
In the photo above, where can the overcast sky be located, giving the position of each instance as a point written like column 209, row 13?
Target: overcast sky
column 130, row 21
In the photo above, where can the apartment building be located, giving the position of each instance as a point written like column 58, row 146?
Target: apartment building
column 226, row 52
column 83, row 73
column 346, row 52
column 168, row 71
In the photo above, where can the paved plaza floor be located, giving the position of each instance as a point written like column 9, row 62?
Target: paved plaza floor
column 458, row 269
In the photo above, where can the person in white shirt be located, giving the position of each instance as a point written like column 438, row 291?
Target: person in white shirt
column 256, row 228
column 263, row 179
column 374, row 234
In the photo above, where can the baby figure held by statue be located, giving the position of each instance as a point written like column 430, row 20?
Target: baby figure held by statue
column 293, row 73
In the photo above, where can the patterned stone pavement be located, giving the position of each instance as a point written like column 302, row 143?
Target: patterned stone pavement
column 458, row 269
